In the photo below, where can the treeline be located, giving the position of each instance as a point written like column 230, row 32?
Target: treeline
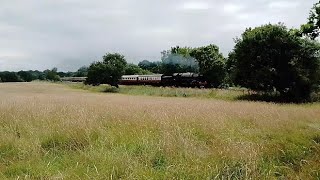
column 28, row 76
column 55, row 75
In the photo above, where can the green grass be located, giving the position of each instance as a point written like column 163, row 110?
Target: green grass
column 50, row 131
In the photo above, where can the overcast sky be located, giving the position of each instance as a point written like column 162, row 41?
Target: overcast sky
column 40, row 34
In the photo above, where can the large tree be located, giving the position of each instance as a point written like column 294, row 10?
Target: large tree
column 312, row 27
column 211, row 63
column 109, row 71
column 270, row 58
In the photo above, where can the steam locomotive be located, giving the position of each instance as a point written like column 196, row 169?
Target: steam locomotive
column 176, row 79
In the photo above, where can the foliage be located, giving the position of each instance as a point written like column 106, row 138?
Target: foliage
column 230, row 69
column 52, row 75
column 132, row 69
column 109, row 71
column 66, row 74
column 38, row 75
column 211, row 63
column 270, row 58
column 183, row 51
column 7, row 76
column 154, row 67
column 312, row 28
column 27, row 76
column 81, row 72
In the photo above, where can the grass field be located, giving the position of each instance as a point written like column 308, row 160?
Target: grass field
column 50, row 131
column 220, row 94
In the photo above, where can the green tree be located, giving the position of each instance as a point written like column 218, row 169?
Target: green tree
column 7, row 76
column 52, row 75
column 183, row 51
column 154, row 67
column 109, row 71
column 65, row 74
column 211, row 63
column 81, row 72
column 230, row 69
column 39, row 75
column 26, row 76
column 132, row 69
column 312, row 28
column 271, row 59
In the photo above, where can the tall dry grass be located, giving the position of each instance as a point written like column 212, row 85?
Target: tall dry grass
column 50, row 131
column 222, row 94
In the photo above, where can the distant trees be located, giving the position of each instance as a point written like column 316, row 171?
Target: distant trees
column 65, row 74
column 108, row 71
column 81, row 72
column 271, row 59
column 132, row 69
column 7, row 76
column 154, row 67
column 52, row 75
column 27, row 76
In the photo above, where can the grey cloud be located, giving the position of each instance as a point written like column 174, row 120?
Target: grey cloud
column 71, row 33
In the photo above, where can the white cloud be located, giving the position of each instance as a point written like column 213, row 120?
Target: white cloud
column 195, row 5
column 232, row 8
column 283, row 4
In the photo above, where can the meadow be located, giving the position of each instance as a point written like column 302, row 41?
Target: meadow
column 53, row 131
column 221, row 94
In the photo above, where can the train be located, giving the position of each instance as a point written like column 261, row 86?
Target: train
column 176, row 79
